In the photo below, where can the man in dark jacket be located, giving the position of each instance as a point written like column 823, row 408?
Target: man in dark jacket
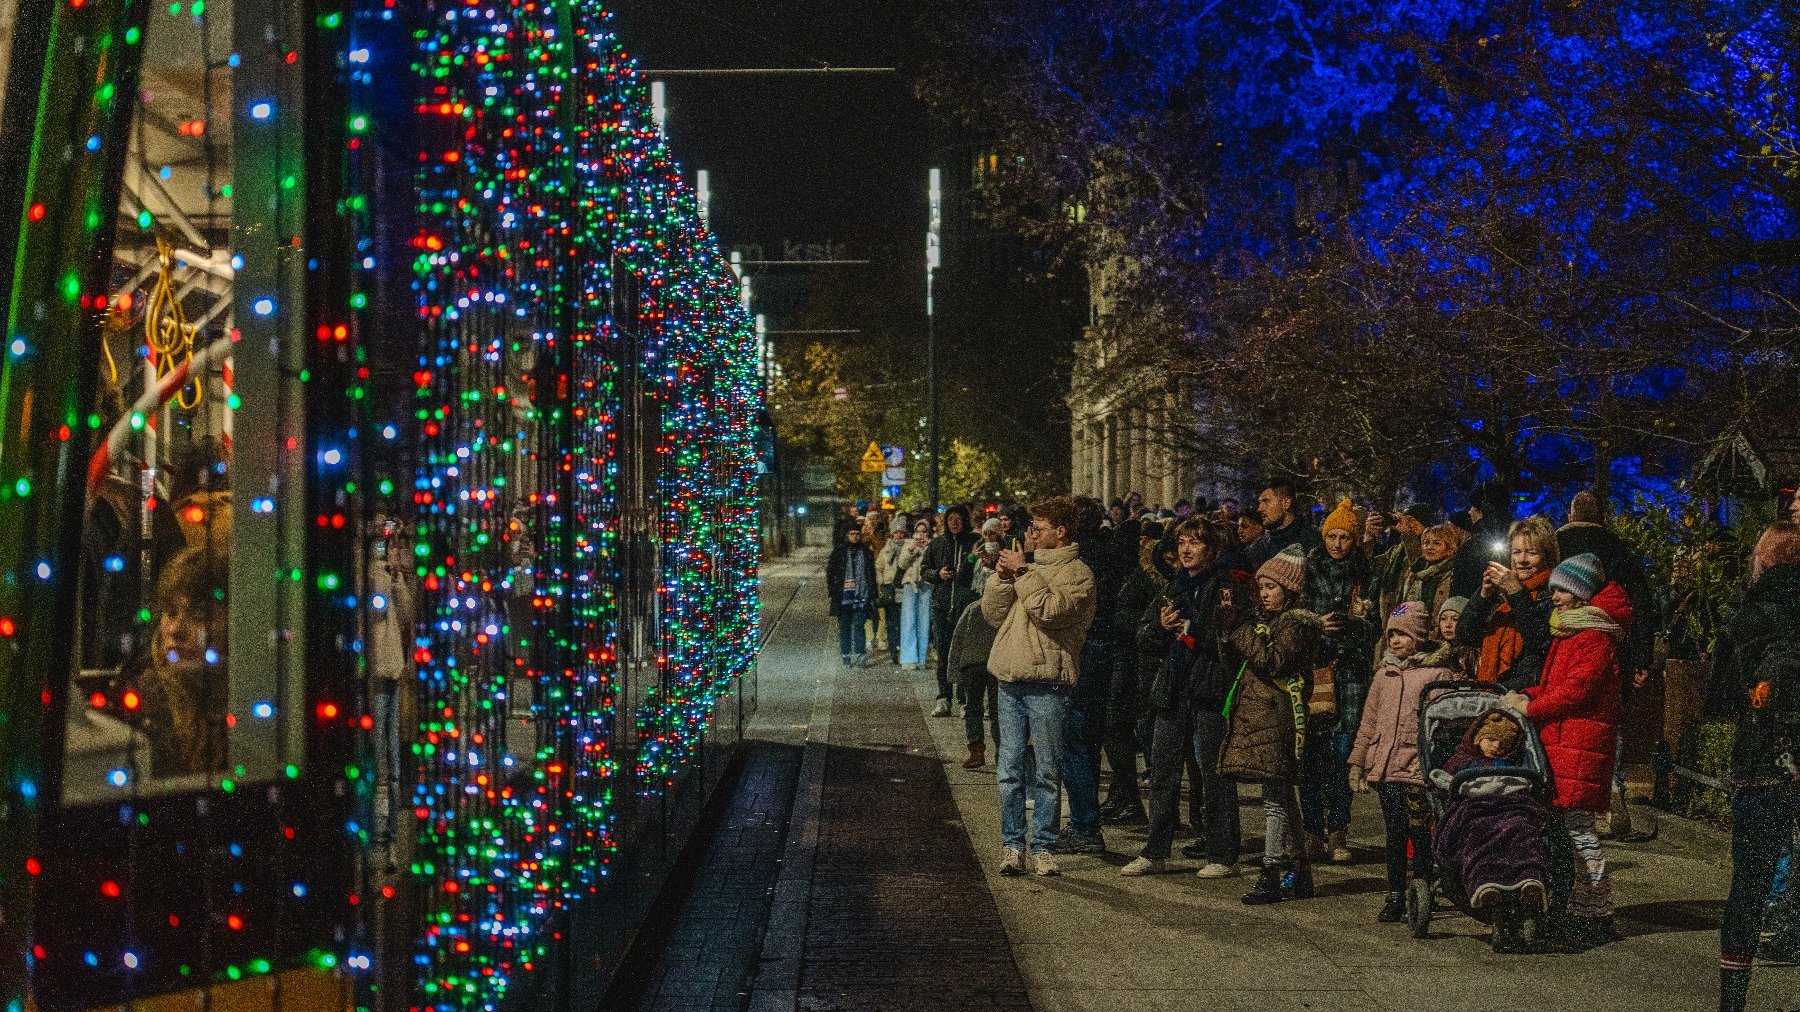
column 1133, row 668
column 1586, row 533
column 850, row 580
column 1187, row 699
column 1490, row 510
column 948, row 570
column 1085, row 726
column 1281, row 525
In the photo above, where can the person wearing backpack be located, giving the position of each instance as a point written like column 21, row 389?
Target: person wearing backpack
column 1755, row 683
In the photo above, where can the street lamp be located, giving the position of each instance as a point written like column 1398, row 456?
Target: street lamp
column 933, row 259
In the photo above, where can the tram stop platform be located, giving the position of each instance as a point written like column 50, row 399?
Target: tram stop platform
column 853, row 867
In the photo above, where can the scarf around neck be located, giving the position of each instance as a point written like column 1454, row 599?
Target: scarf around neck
column 1564, row 624
column 1504, row 642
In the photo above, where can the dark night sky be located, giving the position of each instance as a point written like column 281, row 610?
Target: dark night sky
column 804, row 159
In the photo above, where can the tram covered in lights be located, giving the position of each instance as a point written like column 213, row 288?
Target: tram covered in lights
column 378, row 462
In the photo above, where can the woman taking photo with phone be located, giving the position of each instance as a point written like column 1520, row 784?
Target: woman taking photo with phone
column 1509, row 621
column 915, row 597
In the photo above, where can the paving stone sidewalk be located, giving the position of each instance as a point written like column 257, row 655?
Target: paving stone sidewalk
column 1093, row 940
column 868, row 896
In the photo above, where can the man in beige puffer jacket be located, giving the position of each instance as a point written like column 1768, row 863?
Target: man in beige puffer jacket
column 1042, row 608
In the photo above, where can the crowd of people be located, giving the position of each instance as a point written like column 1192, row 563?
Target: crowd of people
column 1290, row 648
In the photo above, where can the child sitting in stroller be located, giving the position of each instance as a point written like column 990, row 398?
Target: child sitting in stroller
column 1492, row 839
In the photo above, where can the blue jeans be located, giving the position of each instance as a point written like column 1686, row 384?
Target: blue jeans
column 915, row 624
column 1084, row 733
column 1325, row 781
column 851, row 641
column 1038, row 710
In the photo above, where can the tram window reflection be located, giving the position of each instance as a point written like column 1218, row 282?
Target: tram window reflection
column 180, row 681
column 189, row 624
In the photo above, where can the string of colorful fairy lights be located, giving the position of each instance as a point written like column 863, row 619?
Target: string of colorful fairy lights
column 548, row 200
column 563, row 284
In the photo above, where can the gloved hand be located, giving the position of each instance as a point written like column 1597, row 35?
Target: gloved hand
column 1358, row 782
column 1518, row 702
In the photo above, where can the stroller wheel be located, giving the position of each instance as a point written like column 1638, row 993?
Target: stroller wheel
column 1418, row 907
column 1503, row 938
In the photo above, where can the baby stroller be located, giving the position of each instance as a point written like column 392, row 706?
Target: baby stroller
column 1445, row 717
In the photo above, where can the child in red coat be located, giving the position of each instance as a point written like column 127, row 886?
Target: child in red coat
column 1575, row 706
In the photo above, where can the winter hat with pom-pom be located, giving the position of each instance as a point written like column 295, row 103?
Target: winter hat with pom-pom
column 1287, row 569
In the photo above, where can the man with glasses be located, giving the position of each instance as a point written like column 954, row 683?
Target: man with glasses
column 1042, row 609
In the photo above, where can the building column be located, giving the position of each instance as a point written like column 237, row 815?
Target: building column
column 1077, row 456
column 1165, row 454
column 1107, row 454
column 1137, row 482
column 1095, row 434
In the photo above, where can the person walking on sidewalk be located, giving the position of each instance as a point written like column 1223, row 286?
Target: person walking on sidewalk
column 1267, row 730
column 1187, row 696
column 1042, row 610
column 1755, row 683
column 850, row 580
column 887, row 583
column 949, row 573
column 915, row 596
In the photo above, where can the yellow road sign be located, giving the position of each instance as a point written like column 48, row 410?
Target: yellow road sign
column 873, row 461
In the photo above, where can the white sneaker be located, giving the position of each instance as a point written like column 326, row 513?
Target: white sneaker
column 943, row 709
column 1144, row 866
column 1214, row 869
column 1012, row 861
column 1044, row 863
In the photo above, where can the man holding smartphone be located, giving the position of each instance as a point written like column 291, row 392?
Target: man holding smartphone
column 1042, row 608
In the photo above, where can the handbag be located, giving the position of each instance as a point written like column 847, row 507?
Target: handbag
column 1322, row 704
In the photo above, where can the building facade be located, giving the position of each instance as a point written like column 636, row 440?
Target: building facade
column 1136, row 424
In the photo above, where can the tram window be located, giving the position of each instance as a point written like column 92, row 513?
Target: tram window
column 188, row 668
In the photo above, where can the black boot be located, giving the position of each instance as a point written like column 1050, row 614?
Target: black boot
column 1393, row 909
column 1268, row 885
column 1298, row 885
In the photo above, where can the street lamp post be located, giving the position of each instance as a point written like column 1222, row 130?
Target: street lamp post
column 933, row 259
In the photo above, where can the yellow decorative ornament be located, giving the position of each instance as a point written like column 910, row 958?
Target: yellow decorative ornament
column 166, row 330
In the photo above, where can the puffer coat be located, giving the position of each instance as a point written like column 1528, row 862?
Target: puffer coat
column 1042, row 618
column 1267, row 730
column 1575, row 706
column 1387, row 740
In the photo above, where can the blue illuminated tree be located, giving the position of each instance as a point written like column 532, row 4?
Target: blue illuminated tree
column 1569, row 230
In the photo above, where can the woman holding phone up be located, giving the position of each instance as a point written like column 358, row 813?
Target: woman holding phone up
column 915, row 597
column 1509, row 621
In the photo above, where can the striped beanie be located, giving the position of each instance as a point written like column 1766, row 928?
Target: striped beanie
column 1581, row 575
column 1287, row 569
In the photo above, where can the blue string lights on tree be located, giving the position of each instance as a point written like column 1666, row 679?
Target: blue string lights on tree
column 586, row 400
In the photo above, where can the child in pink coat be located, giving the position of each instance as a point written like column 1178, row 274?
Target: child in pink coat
column 1386, row 753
